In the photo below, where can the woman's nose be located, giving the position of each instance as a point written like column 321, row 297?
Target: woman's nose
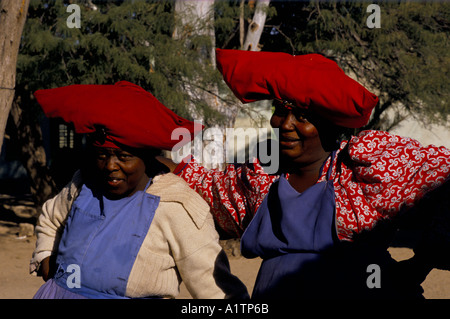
column 288, row 122
column 111, row 163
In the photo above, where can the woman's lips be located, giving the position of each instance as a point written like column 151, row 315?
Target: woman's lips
column 289, row 142
column 114, row 182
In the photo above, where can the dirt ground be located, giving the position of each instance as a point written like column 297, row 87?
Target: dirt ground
column 16, row 283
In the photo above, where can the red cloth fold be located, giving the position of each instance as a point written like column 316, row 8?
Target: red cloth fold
column 309, row 81
column 125, row 112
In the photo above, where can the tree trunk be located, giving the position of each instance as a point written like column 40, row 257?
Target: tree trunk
column 241, row 24
column 33, row 158
column 256, row 26
column 13, row 15
column 197, row 18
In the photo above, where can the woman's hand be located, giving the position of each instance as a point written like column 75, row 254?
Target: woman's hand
column 47, row 268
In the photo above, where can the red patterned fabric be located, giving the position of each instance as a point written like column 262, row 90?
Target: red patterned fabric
column 234, row 194
column 375, row 175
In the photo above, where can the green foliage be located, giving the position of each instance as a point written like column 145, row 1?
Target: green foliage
column 122, row 40
column 407, row 60
column 226, row 21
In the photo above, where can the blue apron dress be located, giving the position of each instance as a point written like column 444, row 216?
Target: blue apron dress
column 100, row 243
column 295, row 235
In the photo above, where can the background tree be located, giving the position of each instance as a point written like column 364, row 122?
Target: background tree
column 117, row 40
column 406, row 61
column 198, row 18
column 13, row 15
column 146, row 42
column 132, row 40
column 256, row 26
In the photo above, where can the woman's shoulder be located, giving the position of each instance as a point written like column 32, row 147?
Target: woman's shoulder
column 381, row 139
column 169, row 179
column 172, row 188
column 370, row 145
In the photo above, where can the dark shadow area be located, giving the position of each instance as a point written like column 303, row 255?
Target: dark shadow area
column 17, row 187
column 230, row 284
column 407, row 238
column 427, row 223
column 341, row 273
column 16, row 202
column 9, row 215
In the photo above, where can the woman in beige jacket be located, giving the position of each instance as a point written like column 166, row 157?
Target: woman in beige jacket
column 120, row 229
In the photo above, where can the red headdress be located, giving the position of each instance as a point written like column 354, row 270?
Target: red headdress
column 125, row 113
column 309, row 81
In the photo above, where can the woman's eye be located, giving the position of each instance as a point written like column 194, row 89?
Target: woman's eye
column 124, row 157
column 300, row 116
column 280, row 110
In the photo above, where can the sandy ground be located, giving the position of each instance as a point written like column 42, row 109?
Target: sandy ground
column 16, row 283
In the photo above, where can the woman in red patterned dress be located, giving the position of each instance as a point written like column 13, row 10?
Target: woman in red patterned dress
column 323, row 226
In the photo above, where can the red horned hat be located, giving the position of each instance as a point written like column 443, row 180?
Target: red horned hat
column 309, row 81
column 126, row 113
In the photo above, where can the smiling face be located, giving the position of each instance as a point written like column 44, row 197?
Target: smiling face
column 300, row 143
column 121, row 173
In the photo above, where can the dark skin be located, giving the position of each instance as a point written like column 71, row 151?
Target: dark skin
column 306, row 141
column 303, row 153
column 119, row 173
column 301, row 147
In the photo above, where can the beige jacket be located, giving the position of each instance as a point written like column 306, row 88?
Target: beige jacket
column 181, row 244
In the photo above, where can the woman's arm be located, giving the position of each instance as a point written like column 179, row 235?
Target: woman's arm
column 203, row 264
column 50, row 226
column 234, row 194
column 183, row 228
column 396, row 172
column 379, row 174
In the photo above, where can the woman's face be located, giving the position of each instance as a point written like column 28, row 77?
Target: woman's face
column 299, row 139
column 121, row 173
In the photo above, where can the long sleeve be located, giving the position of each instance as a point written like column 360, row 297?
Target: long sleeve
column 234, row 194
column 51, row 222
column 395, row 171
column 384, row 174
column 204, row 266
column 182, row 245
column 375, row 175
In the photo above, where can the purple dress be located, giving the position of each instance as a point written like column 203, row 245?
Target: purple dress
column 295, row 235
column 99, row 245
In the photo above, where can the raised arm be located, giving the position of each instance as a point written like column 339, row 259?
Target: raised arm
column 400, row 173
column 397, row 171
column 380, row 174
column 234, row 194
